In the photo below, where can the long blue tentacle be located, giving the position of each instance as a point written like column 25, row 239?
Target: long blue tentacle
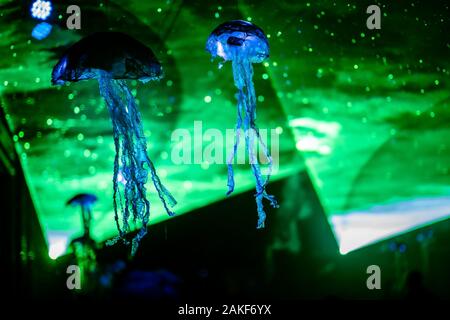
column 165, row 196
column 235, row 146
column 131, row 157
column 243, row 74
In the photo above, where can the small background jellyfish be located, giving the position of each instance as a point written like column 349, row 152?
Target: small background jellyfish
column 84, row 248
column 243, row 44
column 85, row 201
column 110, row 58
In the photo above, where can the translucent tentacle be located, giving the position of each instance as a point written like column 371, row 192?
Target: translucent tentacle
column 243, row 74
column 251, row 114
column 165, row 196
column 230, row 182
column 111, row 100
column 129, row 163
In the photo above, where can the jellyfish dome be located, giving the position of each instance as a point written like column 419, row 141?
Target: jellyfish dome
column 111, row 58
column 243, row 44
column 114, row 53
column 238, row 39
column 82, row 199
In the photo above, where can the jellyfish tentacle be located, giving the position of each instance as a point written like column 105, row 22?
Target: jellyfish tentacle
column 115, row 185
column 136, row 173
column 120, row 122
column 165, row 196
column 84, row 215
column 257, row 174
column 131, row 156
column 105, row 82
column 260, row 183
column 238, row 128
column 137, row 196
column 163, row 193
column 251, row 112
column 243, row 74
column 140, row 175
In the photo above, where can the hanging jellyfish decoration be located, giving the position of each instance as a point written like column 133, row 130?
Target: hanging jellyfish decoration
column 111, row 58
column 84, row 248
column 85, row 201
column 243, row 44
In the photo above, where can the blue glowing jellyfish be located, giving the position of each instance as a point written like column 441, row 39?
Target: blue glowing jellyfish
column 243, row 44
column 84, row 247
column 111, row 58
column 85, row 201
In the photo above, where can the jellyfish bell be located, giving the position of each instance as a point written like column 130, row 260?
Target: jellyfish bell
column 243, row 44
column 238, row 39
column 111, row 58
column 114, row 53
column 82, row 199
